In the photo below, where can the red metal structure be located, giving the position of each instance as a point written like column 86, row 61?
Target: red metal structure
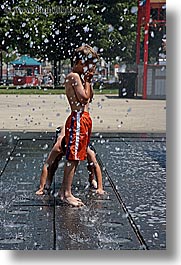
column 144, row 20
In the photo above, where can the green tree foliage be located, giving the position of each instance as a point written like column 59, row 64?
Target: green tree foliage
column 53, row 29
column 23, row 28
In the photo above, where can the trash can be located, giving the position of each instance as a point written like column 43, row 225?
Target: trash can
column 127, row 84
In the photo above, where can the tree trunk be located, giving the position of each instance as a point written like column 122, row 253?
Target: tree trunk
column 55, row 72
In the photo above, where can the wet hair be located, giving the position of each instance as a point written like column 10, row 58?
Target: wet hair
column 85, row 53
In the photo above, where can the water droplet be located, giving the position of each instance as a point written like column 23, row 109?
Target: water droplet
column 129, row 110
column 45, row 147
column 124, row 92
column 110, row 28
column 26, row 35
column 134, row 9
column 155, row 235
column 50, row 124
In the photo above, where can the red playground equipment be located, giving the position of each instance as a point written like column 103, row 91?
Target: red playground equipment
column 145, row 19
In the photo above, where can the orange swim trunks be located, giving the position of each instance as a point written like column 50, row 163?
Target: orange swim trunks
column 77, row 135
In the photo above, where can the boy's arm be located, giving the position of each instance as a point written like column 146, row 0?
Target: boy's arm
column 91, row 93
column 83, row 92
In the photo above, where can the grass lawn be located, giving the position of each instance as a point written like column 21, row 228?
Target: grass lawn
column 48, row 91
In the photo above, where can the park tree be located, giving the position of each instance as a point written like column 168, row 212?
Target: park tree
column 51, row 30
column 23, row 27
column 55, row 28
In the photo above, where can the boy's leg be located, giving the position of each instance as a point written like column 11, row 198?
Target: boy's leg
column 91, row 159
column 43, row 178
column 76, row 141
column 91, row 172
column 59, row 147
column 95, row 168
column 51, row 171
column 45, row 173
column 48, row 168
column 65, row 192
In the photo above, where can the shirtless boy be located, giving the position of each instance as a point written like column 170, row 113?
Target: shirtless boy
column 79, row 124
column 56, row 154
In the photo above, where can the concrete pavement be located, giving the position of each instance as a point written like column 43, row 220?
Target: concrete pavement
column 129, row 137
column 131, row 216
column 109, row 113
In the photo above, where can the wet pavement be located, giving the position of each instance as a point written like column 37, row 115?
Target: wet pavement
column 131, row 215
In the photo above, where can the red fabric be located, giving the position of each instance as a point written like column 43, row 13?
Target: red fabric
column 77, row 135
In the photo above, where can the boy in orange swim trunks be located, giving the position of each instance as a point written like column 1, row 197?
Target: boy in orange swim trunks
column 79, row 124
column 56, row 154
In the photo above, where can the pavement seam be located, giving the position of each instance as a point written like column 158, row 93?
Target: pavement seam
column 9, row 158
column 118, row 196
column 54, row 219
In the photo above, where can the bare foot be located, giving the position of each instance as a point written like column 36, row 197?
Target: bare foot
column 93, row 184
column 72, row 196
column 71, row 200
column 100, row 191
column 39, row 192
column 42, row 191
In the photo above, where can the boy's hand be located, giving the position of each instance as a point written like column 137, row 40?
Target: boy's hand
column 88, row 76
